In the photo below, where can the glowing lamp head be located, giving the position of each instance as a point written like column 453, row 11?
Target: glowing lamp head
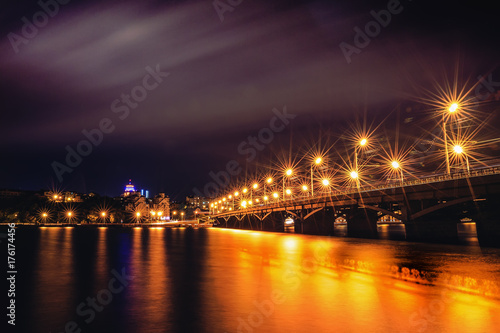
column 70, row 213
column 44, row 214
column 304, row 187
column 458, row 149
column 275, row 195
column 395, row 164
column 289, row 172
column 230, row 196
column 160, row 213
column 269, row 180
column 103, row 214
column 453, row 107
column 243, row 204
column 325, row 182
column 255, row 186
column 250, row 202
column 318, row 160
column 354, row 175
column 223, row 199
column 288, row 191
column 153, row 213
column 236, row 193
column 266, row 198
column 363, row 142
column 137, row 214
column 245, row 190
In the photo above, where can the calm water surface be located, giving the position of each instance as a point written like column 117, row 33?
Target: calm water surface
column 221, row 280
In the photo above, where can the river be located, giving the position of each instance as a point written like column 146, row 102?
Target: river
column 224, row 280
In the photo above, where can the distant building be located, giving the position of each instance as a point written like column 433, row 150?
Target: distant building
column 161, row 204
column 129, row 189
column 197, row 202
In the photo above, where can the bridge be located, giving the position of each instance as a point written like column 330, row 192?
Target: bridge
column 429, row 207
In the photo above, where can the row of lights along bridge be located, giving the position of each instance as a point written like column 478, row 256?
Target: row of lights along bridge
column 267, row 191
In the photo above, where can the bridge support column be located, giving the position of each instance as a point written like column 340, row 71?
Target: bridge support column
column 362, row 223
column 487, row 220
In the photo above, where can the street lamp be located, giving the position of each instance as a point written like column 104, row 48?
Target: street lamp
column 362, row 143
column 317, row 161
column 397, row 166
column 138, row 216
column 182, row 216
column 451, row 110
column 103, row 216
column 288, row 172
column 459, row 150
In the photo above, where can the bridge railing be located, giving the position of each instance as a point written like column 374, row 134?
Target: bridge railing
column 370, row 188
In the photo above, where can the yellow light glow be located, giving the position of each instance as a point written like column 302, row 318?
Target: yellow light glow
column 223, row 199
column 153, row 213
column 256, row 200
column 304, row 187
column 354, row 174
column 230, row 196
column 160, row 213
column 288, row 191
column 269, row 180
column 275, row 195
column 395, row 164
column 138, row 214
column 255, row 186
column 245, row 190
column 363, row 142
column 250, row 202
column 453, row 107
column 44, row 214
column 211, row 205
column 458, row 149
column 243, row 204
column 266, row 198
column 236, row 193
column 220, row 201
column 318, row 160
column 70, row 213
column 55, row 197
column 103, row 214
column 289, row 172
column 182, row 213
column 325, row 182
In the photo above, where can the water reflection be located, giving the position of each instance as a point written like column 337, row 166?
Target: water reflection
column 222, row 280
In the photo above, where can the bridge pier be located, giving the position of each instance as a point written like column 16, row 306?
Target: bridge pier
column 361, row 223
column 487, row 220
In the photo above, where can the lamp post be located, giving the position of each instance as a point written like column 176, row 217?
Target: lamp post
column 451, row 110
column 459, row 150
column 317, row 161
column 103, row 217
column 397, row 167
column 138, row 216
column 362, row 143
column 288, row 173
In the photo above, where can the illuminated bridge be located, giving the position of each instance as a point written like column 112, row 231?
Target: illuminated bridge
column 430, row 208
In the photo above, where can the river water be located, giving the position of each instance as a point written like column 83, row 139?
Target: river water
column 223, row 280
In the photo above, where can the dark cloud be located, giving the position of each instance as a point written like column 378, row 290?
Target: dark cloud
column 225, row 78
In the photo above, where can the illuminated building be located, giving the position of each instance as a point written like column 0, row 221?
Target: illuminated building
column 129, row 189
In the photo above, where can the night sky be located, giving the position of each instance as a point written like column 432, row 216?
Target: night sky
column 214, row 82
